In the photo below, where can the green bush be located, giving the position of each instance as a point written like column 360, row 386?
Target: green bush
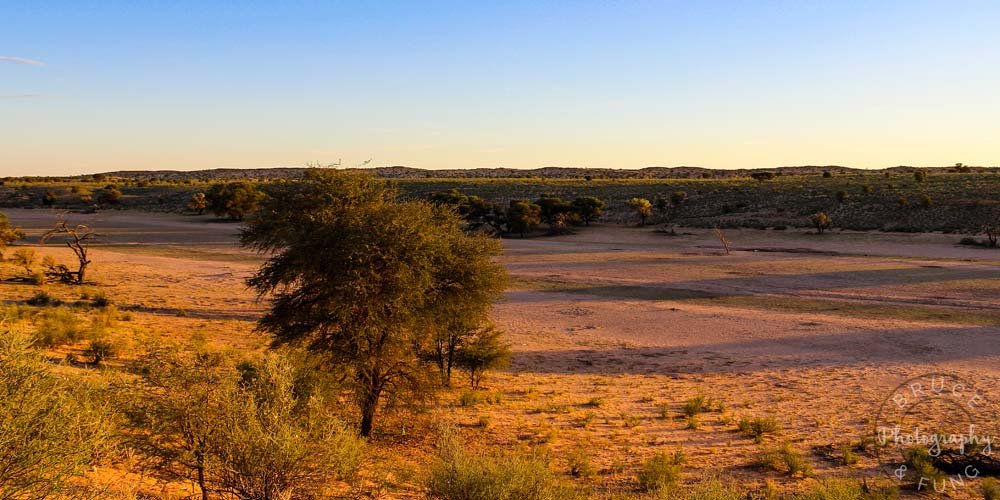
column 50, row 430
column 757, row 427
column 695, row 406
column 43, row 298
column 58, row 326
column 100, row 350
column 460, row 475
column 784, row 459
column 661, row 471
column 990, row 489
column 921, row 465
column 848, row 490
column 714, row 489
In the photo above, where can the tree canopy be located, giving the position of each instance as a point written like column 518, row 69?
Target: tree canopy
column 364, row 277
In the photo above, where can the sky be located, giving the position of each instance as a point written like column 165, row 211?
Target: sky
column 99, row 86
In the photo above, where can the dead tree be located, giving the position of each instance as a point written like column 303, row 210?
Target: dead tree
column 78, row 240
column 722, row 238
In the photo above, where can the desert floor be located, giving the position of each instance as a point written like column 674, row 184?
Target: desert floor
column 614, row 328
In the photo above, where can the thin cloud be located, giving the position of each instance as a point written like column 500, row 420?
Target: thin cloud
column 21, row 60
column 21, row 96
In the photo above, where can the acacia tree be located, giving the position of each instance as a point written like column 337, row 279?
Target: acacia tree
column 198, row 203
column 8, row 234
column 358, row 275
column 821, row 222
column 642, row 207
column 483, row 350
column 523, row 216
column 235, row 200
column 462, row 307
column 78, row 240
column 589, row 208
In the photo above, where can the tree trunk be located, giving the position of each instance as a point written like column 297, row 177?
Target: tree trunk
column 367, row 420
column 201, row 477
column 369, row 403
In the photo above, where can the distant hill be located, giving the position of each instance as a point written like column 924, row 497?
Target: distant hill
column 401, row 172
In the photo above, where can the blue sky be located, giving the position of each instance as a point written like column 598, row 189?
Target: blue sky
column 186, row 85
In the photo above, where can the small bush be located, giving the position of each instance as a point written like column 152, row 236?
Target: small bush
column 469, row 398
column 714, row 489
column 695, row 406
column 921, row 465
column 51, row 430
column 693, row 423
column 841, row 489
column 990, row 489
column 58, row 326
column 579, row 463
column 100, row 350
column 100, row 300
column 662, row 471
column 757, row 427
column 459, row 475
column 595, row 402
column 43, row 298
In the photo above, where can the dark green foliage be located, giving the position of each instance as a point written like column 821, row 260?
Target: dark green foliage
column 461, row 475
column 762, row 176
column 365, row 278
column 551, row 207
column 50, row 430
column 523, row 216
column 259, row 431
column 235, row 200
column 484, row 350
column 110, row 195
column 589, row 208
column 8, row 233
column 661, row 471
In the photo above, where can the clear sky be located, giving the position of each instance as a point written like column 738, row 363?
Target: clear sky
column 97, row 86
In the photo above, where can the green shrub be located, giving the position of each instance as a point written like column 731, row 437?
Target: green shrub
column 841, row 489
column 990, row 489
column 58, row 326
column 695, row 406
column 100, row 350
column 100, row 300
column 579, row 463
column 714, row 489
column 51, row 430
column 693, row 423
column 921, row 465
column 784, row 459
column 43, row 298
column 661, row 471
column 469, row 398
column 757, row 427
column 460, row 475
